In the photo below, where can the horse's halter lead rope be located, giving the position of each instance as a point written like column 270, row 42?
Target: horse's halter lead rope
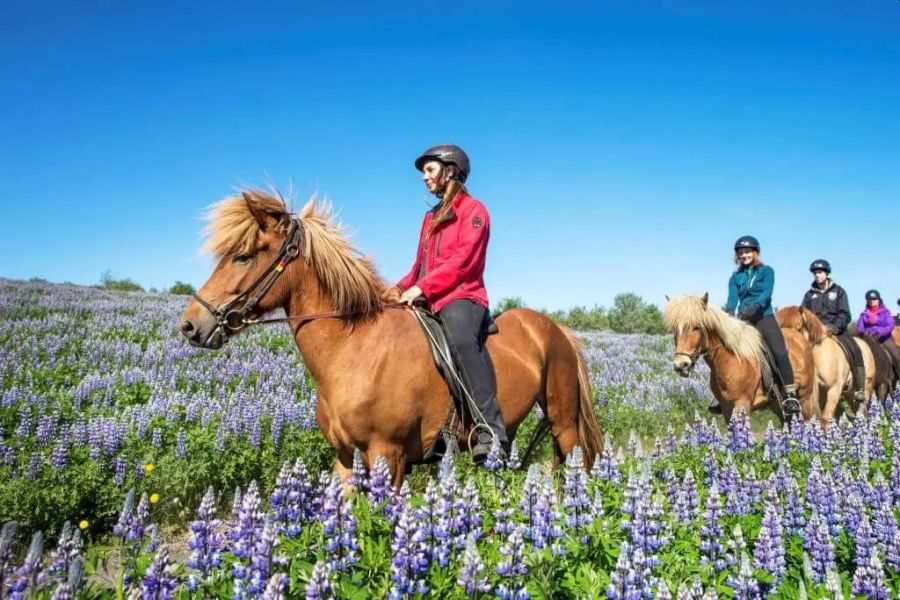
column 229, row 318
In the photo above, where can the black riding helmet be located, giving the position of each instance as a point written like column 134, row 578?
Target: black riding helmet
column 820, row 265
column 746, row 242
column 448, row 154
column 873, row 295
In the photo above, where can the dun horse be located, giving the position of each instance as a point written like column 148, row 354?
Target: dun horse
column 378, row 388
column 733, row 350
column 834, row 376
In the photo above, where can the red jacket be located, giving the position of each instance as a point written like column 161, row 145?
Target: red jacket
column 453, row 254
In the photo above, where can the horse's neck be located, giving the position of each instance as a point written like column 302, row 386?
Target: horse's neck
column 720, row 359
column 320, row 341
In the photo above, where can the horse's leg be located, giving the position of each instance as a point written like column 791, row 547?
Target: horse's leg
column 395, row 456
column 343, row 464
column 832, row 398
column 560, row 403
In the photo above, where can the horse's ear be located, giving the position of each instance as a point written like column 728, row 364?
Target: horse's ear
column 667, row 298
column 262, row 218
column 705, row 298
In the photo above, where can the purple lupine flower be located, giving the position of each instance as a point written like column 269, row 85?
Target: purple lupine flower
column 881, row 491
column 448, row 529
column 794, row 517
column 359, row 476
column 339, row 525
column 159, row 582
column 381, row 482
column 606, row 464
column 68, row 587
column 514, row 463
column 397, row 501
column 884, row 523
column 60, row 454
column 739, row 436
column 821, row 496
column 735, row 547
column 576, row 503
column 120, row 464
column 263, row 559
column 156, row 438
column 67, row 550
column 319, row 586
column 248, row 523
column 7, row 536
column 30, row 575
column 409, row 562
column 503, row 523
column 494, row 460
column 710, row 468
column 470, row 577
column 711, row 550
column 470, row 510
column 285, row 501
column 768, row 552
column 772, row 444
column 864, row 540
column 744, row 583
column 817, row 543
column 892, row 552
column 34, row 465
column 854, row 510
column 686, row 502
column 512, row 568
column 692, row 591
column 868, row 580
column 181, row 445
column 632, row 578
column 206, row 540
column 275, row 588
column 538, row 505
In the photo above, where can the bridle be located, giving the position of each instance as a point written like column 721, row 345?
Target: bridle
column 701, row 351
column 232, row 316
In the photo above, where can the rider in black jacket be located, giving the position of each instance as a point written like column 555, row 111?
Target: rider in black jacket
column 829, row 302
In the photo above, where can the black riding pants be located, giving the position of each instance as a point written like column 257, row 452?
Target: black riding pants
column 772, row 336
column 465, row 323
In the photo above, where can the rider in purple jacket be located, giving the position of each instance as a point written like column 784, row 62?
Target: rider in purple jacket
column 877, row 321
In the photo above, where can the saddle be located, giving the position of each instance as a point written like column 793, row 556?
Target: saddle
column 843, row 345
column 444, row 357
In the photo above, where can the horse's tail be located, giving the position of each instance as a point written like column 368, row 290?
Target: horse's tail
column 590, row 438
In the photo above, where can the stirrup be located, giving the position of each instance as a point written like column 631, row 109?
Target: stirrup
column 790, row 406
column 859, row 396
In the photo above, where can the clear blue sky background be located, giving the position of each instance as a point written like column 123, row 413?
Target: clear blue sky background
column 618, row 145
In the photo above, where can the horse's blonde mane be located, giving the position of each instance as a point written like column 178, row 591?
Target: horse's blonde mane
column 347, row 277
column 804, row 321
column 742, row 340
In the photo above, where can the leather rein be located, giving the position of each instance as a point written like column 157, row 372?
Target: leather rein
column 233, row 316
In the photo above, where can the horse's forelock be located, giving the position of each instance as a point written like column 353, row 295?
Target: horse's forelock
column 232, row 224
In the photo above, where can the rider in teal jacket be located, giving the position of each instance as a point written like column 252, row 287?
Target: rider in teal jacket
column 750, row 292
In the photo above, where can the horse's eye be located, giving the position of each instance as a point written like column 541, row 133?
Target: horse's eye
column 241, row 259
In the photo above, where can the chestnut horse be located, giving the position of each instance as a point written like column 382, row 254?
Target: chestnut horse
column 378, row 388
column 733, row 350
column 833, row 373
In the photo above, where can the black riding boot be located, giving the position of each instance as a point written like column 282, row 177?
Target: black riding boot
column 860, row 384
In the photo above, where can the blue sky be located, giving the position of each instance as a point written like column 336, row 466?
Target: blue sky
column 620, row 146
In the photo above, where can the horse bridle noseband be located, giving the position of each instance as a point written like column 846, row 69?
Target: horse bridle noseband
column 232, row 317
column 701, row 351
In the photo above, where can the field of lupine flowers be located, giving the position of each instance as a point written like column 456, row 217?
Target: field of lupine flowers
column 132, row 465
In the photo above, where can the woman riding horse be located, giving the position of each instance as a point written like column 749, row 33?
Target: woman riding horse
column 829, row 302
column 449, row 274
column 877, row 322
column 750, row 295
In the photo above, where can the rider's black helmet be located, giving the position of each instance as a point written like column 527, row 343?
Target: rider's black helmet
column 746, row 242
column 448, row 154
column 820, row 265
column 873, row 295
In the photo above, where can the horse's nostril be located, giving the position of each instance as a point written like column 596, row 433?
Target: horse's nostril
column 187, row 327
